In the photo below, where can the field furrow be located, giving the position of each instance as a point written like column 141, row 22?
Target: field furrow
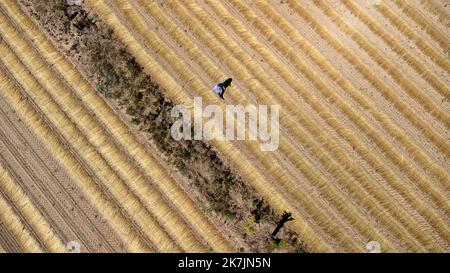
column 42, row 228
column 380, row 58
column 440, row 38
column 7, row 242
column 387, row 91
column 438, row 85
column 50, row 188
column 16, row 229
column 438, row 9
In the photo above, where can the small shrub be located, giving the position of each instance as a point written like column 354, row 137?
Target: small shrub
column 278, row 244
column 250, row 226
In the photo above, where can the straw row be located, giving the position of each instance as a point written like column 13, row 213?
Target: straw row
column 396, row 74
column 248, row 170
column 402, row 26
column 337, row 77
column 440, row 173
column 415, row 15
column 401, row 51
column 33, row 217
column 17, row 229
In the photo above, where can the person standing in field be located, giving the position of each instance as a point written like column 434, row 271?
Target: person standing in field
column 220, row 88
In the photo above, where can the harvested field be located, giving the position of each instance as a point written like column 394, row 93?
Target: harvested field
column 86, row 98
column 56, row 197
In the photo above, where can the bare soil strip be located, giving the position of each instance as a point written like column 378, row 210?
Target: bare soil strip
column 8, row 243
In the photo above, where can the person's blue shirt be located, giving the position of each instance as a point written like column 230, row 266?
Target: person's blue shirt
column 218, row 88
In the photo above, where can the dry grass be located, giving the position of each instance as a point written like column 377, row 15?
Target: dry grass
column 85, row 181
column 15, row 225
column 33, row 217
